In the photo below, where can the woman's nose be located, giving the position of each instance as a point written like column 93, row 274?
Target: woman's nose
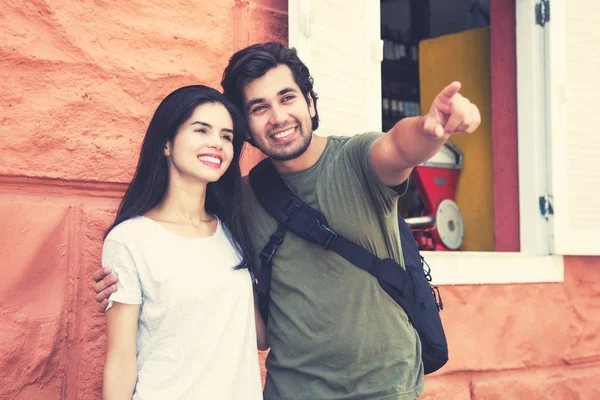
column 215, row 141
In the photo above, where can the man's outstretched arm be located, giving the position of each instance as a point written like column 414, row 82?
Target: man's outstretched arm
column 106, row 284
column 416, row 139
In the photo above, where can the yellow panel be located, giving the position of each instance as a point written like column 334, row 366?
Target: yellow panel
column 465, row 57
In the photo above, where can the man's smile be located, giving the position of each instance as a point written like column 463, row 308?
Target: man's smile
column 282, row 136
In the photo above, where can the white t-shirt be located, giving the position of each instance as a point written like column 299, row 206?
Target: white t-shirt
column 196, row 335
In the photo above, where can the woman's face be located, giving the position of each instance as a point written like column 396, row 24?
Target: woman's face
column 202, row 149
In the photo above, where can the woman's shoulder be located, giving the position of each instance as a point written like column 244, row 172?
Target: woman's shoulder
column 129, row 230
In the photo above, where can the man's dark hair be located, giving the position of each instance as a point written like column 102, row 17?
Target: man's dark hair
column 254, row 61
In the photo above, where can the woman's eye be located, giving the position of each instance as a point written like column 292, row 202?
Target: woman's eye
column 227, row 137
column 201, row 130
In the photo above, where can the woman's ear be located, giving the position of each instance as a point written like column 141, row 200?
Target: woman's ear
column 167, row 149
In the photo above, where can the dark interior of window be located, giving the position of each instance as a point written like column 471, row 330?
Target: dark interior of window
column 404, row 23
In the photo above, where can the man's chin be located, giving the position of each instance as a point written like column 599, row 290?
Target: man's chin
column 284, row 157
column 287, row 154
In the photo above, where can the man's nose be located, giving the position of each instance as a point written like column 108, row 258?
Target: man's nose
column 278, row 115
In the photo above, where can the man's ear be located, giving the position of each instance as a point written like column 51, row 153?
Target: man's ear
column 311, row 106
column 248, row 137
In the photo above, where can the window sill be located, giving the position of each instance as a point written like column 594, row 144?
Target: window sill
column 476, row 268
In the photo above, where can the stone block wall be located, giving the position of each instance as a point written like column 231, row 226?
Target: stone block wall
column 80, row 82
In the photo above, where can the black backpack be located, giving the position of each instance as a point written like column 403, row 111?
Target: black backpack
column 410, row 288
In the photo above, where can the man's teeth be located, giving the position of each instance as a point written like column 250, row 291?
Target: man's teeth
column 284, row 133
column 212, row 160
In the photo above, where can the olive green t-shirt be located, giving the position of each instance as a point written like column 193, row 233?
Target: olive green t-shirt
column 334, row 333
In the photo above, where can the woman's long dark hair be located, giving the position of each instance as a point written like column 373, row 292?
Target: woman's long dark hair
column 151, row 178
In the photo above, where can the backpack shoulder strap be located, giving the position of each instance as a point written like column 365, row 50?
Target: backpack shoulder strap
column 283, row 205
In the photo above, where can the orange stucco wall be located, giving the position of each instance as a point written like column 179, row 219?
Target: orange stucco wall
column 533, row 341
column 80, row 81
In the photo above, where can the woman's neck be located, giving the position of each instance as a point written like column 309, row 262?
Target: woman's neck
column 184, row 202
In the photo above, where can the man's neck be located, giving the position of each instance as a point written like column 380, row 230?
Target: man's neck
column 307, row 159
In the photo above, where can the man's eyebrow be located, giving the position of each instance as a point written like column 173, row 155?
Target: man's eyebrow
column 253, row 102
column 286, row 90
column 209, row 126
column 262, row 100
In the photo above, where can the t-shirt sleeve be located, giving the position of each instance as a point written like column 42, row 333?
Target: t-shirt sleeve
column 359, row 148
column 118, row 257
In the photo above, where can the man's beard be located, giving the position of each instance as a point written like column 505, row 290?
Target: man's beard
column 305, row 142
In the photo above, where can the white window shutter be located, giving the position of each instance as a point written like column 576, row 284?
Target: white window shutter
column 339, row 41
column 573, row 84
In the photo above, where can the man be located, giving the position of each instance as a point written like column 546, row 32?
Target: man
column 334, row 333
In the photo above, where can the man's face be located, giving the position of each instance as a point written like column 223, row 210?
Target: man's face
column 278, row 115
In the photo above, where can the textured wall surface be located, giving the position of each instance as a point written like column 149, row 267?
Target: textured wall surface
column 533, row 341
column 80, row 81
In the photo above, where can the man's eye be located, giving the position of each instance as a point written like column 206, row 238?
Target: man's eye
column 287, row 98
column 258, row 108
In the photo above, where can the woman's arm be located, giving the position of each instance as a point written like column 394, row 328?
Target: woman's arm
column 120, row 369
column 261, row 330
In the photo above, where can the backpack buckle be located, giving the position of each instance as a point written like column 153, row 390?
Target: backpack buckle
column 267, row 253
column 322, row 234
column 292, row 207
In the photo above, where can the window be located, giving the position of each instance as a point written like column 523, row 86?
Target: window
column 340, row 42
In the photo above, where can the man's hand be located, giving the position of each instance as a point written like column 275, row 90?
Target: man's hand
column 106, row 284
column 414, row 140
column 451, row 113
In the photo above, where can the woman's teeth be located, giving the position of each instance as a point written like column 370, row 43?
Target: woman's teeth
column 212, row 160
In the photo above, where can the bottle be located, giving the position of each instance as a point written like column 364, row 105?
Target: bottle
column 399, row 49
column 393, row 111
column 402, row 110
column 414, row 54
column 385, row 36
column 385, row 103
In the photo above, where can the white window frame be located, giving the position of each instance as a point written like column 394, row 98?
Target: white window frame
column 534, row 263
column 572, row 78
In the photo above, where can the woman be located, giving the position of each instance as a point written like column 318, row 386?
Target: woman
column 183, row 323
